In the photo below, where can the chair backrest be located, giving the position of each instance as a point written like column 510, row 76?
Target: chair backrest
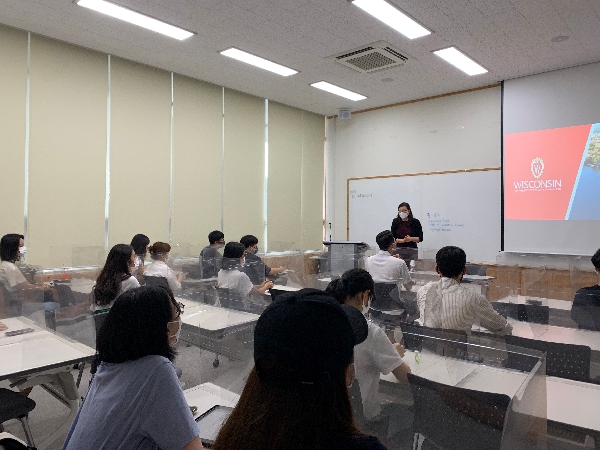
column 451, row 343
column 157, row 282
column 386, row 294
column 455, row 418
column 231, row 299
column 506, row 310
column 3, row 309
column 534, row 314
column 562, row 360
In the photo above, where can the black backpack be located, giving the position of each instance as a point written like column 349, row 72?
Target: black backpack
column 12, row 444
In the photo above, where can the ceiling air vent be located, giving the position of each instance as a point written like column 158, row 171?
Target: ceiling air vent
column 370, row 58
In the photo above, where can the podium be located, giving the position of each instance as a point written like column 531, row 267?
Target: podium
column 343, row 255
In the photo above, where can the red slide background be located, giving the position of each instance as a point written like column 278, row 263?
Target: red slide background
column 562, row 150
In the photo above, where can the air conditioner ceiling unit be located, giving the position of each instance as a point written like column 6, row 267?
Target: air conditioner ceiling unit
column 371, row 58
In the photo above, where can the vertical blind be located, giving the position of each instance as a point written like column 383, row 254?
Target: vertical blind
column 185, row 157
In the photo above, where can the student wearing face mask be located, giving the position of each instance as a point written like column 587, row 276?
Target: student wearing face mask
column 12, row 247
column 159, row 252
column 231, row 277
column 377, row 354
column 210, row 258
column 115, row 277
column 135, row 399
column 407, row 232
column 254, row 266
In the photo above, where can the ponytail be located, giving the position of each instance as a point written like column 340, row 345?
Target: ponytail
column 353, row 281
column 336, row 290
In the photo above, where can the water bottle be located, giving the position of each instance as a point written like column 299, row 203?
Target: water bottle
column 417, row 356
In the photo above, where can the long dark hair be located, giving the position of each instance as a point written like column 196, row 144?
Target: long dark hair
column 9, row 247
column 353, row 281
column 269, row 418
column 136, row 326
column 232, row 253
column 115, row 270
column 410, row 214
column 140, row 243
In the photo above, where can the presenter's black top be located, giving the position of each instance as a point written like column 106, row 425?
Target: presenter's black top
column 586, row 308
column 412, row 227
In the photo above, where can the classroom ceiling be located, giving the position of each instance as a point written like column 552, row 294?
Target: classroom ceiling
column 511, row 38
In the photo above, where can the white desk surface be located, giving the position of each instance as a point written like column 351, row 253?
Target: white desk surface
column 37, row 351
column 213, row 318
column 551, row 333
column 573, row 402
column 551, row 302
column 207, row 395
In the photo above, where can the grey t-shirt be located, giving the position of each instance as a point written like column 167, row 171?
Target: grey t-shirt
column 134, row 405
column 210, row 261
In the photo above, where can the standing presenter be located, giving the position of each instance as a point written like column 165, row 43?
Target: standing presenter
column 408, row 232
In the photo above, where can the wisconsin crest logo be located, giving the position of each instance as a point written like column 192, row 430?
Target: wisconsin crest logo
column 537, row 167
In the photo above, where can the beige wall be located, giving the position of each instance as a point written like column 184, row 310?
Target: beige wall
column 172, row 156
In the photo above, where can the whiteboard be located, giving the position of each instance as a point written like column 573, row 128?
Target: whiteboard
column 455, row 208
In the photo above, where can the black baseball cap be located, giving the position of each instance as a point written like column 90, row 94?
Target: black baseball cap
column 304, row 338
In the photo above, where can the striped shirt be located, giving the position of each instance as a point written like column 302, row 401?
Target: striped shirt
column 449, row 305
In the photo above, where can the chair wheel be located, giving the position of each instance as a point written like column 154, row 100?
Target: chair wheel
column 216, row 363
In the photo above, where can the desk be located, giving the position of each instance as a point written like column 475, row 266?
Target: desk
column 569, row 402
column 563, row 305
column 205, row 326
column 207, row 395
column 43, row 358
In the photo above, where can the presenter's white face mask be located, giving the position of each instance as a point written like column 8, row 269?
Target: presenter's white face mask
column 22, row 250
column 403, row 215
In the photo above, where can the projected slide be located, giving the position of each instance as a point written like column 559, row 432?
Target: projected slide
column 553, row 174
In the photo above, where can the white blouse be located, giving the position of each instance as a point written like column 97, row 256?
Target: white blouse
column 160, row 269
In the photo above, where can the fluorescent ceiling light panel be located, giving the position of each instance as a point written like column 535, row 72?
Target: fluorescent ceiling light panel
column 460, row 61
column 258, row 62
column 135, row 18
column 332, row 88
column 388, row 14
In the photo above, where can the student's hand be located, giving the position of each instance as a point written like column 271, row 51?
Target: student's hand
column 181, row 276
column 3, row 327
column 278, row 270
column 400, row 349
column 268, row 284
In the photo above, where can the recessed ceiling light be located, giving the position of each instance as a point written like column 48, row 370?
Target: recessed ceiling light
column 387, row 80
column 135, row 18
column 333, row 89
column 559, row 38
column 257, row 61
column 460, row 61
column 388, row 14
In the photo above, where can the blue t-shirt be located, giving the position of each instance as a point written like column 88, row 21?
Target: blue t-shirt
column 134, row 405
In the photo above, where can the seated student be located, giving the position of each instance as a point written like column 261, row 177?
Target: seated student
column 231, row 277
column 586, row 305
column 254, row 267
column 296, row 396
column 210, row 258
column 376, row 355
column 135, row 399
column 115, row 277
column 11, row 277
column 449, row 305
column 385, row 268
column 159, row 252
column 140, row 244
